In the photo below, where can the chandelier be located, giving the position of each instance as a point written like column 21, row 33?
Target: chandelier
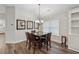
column 39, row 19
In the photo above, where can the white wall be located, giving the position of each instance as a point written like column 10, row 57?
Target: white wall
column 23, row 14
column 2, row 9
column 2, row 19
column 10, row 24
column 64, row 24
column 2, row 24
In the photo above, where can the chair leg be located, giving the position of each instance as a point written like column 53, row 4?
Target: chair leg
column 39, row 45
column 29, row 46
column 34, row 49
column 26, row 44
column 61, row 44
column 44, row 44
column 47, row 46
column 50, row 44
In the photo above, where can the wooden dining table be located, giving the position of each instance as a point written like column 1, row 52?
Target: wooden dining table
column 39, row 37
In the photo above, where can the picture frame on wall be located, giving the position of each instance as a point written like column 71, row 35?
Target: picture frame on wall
column 29, row 24
column 20, row 24
column 36, row 25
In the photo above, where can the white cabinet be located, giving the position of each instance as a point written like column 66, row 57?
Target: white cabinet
column 73, row 42
column 74, row 29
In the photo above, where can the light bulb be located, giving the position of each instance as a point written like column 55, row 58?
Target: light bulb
column 37, row 21
column 42, row 21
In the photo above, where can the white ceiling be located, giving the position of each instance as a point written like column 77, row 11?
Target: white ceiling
column 46, row 10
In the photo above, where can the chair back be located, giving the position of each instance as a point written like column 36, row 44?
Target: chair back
column 30, row 37
column 49, row 36
column 27, row 35
column 33, row 31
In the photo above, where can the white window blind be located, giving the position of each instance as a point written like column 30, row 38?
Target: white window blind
column 51, row 26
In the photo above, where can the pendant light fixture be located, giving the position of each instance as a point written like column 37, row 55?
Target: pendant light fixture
column 39, row 18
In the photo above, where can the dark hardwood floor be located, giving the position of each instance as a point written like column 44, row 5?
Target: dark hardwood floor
column 20, row 48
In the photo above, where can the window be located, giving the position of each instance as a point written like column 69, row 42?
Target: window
column 51, row 26
column 46, row 27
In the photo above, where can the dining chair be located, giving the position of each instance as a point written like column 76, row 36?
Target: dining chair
column 49, row 39
column 46, row 39
column 27, row 38
column 34, row 41
column 30, row 39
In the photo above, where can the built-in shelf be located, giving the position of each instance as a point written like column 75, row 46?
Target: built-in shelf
column 75, row 19
column 75, row 11
column 74, row 30
column 75, row 26
column 73, row 34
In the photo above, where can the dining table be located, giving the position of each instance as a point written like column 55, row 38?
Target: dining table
column 40, row 37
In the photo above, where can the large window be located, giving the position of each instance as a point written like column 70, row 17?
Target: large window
column 51, row 26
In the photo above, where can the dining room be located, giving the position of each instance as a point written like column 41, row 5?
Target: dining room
column 38, row 28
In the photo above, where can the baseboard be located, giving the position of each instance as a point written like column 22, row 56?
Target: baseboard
column 15, row 42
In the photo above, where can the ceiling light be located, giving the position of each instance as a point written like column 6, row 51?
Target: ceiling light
column 39, row 19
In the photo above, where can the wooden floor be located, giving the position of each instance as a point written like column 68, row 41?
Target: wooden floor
column 20, row 48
